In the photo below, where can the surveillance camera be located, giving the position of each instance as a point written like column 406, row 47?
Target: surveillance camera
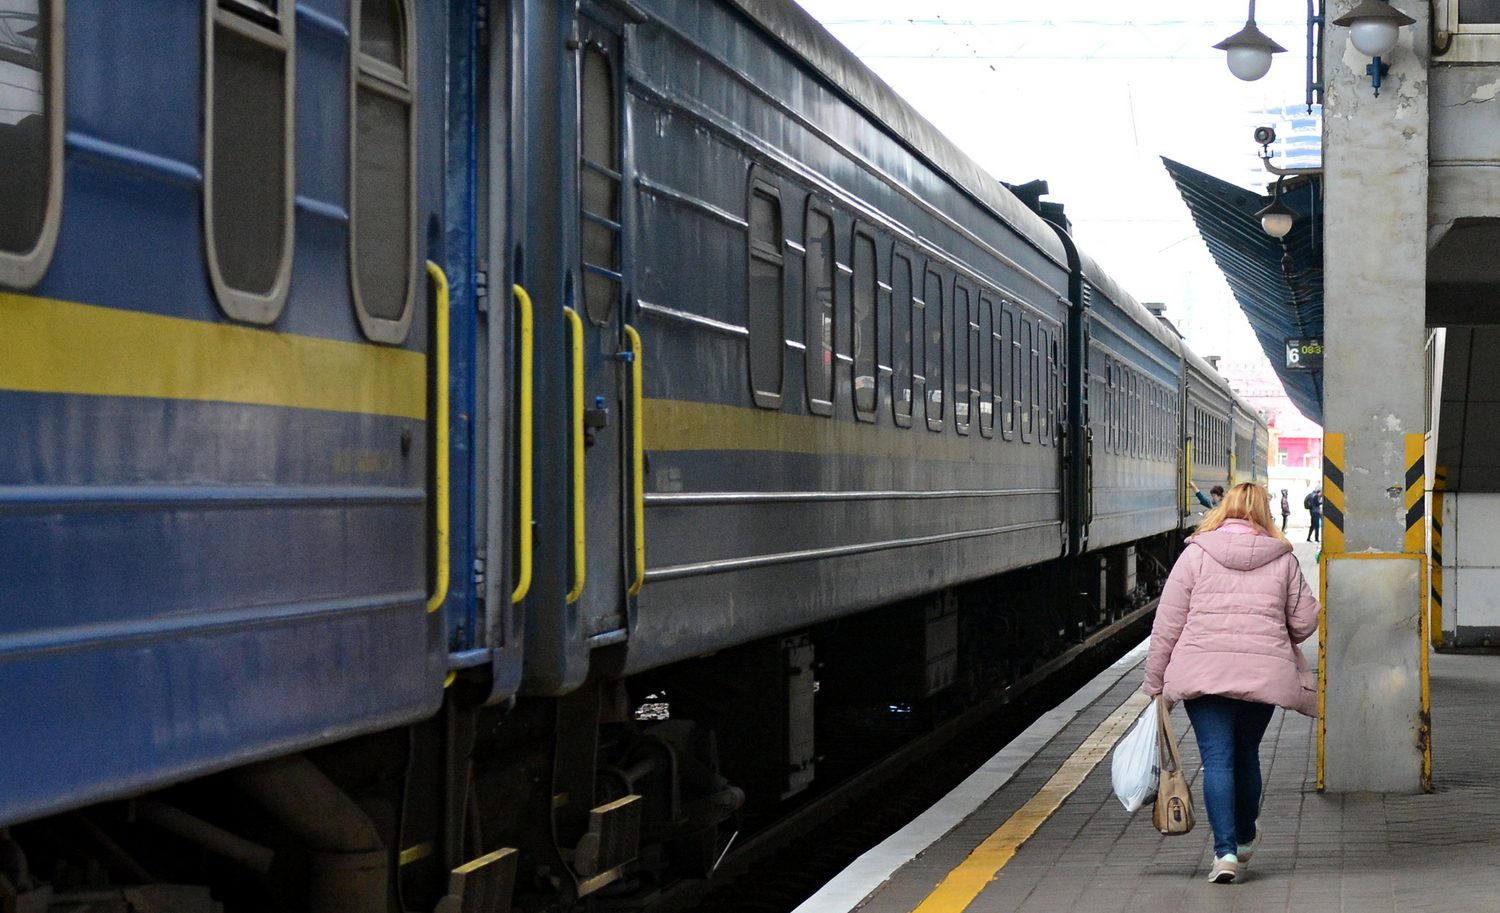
column 1265, row 136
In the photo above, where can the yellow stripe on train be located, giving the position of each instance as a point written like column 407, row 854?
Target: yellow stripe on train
column 49, row 346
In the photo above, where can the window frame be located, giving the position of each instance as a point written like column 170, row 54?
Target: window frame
column 379, row 76
column 1025, row 413
column 933, row 408
column 251, row 307
column 986, row 353
column 813, row 346
column 755, row 250
column 23, row 270
column 1009, row 371
column 961, row 384
column 608, row 42
column 870, row 351
column 1477, row 42
column 903, row 419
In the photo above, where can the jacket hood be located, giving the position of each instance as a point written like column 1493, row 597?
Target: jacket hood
column 1238, row 546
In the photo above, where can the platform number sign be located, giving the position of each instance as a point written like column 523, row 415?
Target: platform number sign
column 1304, row 354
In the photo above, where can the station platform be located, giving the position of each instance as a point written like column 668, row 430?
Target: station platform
column 1038, row 829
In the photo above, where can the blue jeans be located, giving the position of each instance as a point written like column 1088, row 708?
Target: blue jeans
column 1229, row 731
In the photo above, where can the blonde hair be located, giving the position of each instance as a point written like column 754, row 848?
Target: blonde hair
column 1246, row 501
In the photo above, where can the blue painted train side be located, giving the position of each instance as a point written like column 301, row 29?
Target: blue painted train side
column 211, row 530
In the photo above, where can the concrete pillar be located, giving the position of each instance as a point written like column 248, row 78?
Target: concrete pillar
column 1373, row 731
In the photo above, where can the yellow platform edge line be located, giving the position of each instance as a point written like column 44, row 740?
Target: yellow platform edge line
column 50, row 346
column 959, row 888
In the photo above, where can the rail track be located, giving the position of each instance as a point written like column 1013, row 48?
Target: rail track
column 784, row 863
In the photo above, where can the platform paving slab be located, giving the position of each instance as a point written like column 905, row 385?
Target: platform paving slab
column 1363, row 853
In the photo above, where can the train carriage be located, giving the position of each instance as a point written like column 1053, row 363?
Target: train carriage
column 887, row 339
column 1207, row 433
column 214, row 408
column 1133, row 362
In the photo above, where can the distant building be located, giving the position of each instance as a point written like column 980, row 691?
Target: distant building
column 1296, row 451
column 1299, row 140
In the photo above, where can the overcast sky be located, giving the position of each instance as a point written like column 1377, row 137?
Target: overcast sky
column 1071, row 92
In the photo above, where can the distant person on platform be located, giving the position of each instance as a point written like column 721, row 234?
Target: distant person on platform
column 1314, row 504
column 1216, row 493
column 1286, row 509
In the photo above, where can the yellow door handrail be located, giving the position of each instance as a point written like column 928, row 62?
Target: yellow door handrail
column 637, row 461
column 527, row 480
column 580, row 554
column 440, row 420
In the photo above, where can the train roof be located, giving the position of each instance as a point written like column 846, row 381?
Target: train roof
column 791, row 25
column 1138, row 312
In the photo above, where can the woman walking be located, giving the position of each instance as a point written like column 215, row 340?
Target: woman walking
column 1225, row 643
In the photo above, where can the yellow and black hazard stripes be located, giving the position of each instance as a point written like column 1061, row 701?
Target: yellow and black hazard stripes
column 1333, row 494
column 1435, row 572
column 1416, row 494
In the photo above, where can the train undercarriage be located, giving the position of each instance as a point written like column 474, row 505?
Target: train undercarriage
column 598, row 799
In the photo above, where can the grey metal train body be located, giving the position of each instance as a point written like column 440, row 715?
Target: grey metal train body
column 1226, row 439
column 864, row 365
column 1131, row 383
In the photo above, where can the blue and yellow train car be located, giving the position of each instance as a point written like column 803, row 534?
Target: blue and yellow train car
column 216, row 391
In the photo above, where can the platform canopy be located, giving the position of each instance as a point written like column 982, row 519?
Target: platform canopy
column 1278, row 282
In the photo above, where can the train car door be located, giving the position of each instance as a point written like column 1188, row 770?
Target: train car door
column 1088, row 401
column 596, row 331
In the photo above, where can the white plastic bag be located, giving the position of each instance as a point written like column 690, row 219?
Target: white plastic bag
column 1136, row 766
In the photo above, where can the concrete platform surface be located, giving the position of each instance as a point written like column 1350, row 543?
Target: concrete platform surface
column 1054, row 838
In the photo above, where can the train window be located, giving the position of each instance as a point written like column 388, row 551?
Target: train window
column 1034, row 366
column 962, row 401
column 1049, row 387
column 932, row 294
column 383, row 228
column 1155, row 422
column 765, row 310
column 820, row 272
column 1057, row 387
column 903, row 310
column 987, row 351
column 31, row 138
column 599, row 180
column 1010, row 372
column 1114, row 406
column 247, row 157
column 1028, row 377
column 864, row 298
column 1043, row 383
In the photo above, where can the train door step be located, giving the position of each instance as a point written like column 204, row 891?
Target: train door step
column 481, row 885
column 612, row 840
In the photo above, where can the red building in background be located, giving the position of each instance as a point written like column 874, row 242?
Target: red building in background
column 1296, row 455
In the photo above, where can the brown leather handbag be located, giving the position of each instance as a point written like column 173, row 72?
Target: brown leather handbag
column 1173, row 814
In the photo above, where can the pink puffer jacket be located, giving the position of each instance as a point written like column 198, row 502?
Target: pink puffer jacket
column 1234, row 608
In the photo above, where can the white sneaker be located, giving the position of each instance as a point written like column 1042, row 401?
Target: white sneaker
column 1225, row 869
column 1246, row 850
